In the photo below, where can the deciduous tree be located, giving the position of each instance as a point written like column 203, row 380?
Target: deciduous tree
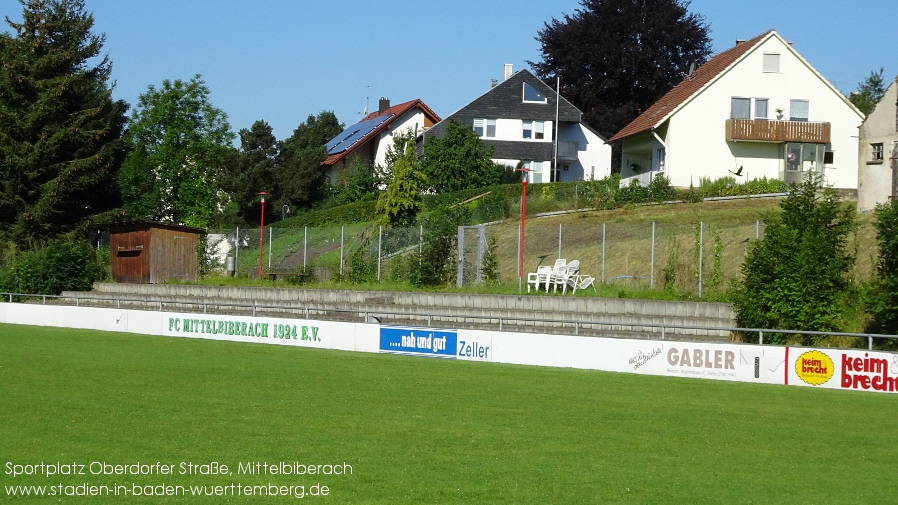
column 179, row 139
column 615, row 58
column 60, row 129
column 458, row 160
column 299, row 175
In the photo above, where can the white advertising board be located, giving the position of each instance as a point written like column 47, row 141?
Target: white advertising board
column 842, row 369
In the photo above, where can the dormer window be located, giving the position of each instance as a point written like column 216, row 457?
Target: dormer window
column 532, row 95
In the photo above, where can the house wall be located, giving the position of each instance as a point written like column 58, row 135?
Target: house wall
column 505, row 104
column 594, row 160
column 880, row 127
column 413, row 120
column 695, row 134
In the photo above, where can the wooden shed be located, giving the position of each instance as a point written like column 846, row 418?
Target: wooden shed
column 148, row 252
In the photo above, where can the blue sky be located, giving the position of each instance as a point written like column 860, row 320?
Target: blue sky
column 282, row 60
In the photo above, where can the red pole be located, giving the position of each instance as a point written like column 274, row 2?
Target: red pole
column 261, row 232
column 523, row 223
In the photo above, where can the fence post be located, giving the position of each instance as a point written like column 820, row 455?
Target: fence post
column 757, row 229
column 559, row 240
column 341, row 249
column 236, row 251
column 270, row 243
column 459, row 266
column 869, row 342
column 652, row 274
column 420, row 244
column 380, row 234
column 701, row 238
column 305, row 234
column 760, row 337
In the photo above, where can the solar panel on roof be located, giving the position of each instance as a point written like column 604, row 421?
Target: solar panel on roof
column 354, row 133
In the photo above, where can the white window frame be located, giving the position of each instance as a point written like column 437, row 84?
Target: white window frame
column 487, row 127
column 792, row 117
column 771, row 63
column 524, row 94
column 535, row 128
column 754, row 108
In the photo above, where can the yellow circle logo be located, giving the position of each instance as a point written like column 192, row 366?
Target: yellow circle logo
column 814, row 367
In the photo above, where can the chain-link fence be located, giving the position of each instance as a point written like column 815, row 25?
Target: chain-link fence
column 692, row 258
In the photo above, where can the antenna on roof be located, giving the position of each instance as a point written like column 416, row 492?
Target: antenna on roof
column 365, row 112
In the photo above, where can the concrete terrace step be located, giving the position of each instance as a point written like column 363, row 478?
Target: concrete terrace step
column 439, row 309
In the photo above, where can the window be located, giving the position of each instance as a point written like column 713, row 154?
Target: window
column 740, row 108
column 771, row 62
column 532, row 95
column 534, row 130
column 536, row 168
column 877, row 152
column 760, row 108
column 485, row 127
column 798, row 110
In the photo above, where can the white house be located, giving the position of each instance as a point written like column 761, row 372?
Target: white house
column 878, row 153
column 755, row 110
column 518, row 118
column 369, row 139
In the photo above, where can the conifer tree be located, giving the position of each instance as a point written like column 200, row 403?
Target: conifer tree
column 60, row 129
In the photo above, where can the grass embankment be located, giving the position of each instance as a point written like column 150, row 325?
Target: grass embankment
column 428, row 431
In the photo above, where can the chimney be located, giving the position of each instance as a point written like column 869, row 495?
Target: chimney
column 507, row 71
column 493, row 83
column 739, row 41
column 383, row 104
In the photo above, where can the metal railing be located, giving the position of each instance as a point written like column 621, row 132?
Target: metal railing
column 501, row 323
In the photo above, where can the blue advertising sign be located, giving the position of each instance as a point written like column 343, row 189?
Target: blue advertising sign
column 419, row 341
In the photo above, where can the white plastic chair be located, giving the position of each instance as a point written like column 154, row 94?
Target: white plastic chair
column 541, row 276
column 559, row 270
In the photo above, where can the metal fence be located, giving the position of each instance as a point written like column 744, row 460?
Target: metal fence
column 692, row 258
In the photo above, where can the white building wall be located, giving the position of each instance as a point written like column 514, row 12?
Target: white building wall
column 696, row 145
column 880, row 127
column 412, row 120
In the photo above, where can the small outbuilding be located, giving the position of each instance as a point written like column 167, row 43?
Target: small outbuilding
column 149, row 252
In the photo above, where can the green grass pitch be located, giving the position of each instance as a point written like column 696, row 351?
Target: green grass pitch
column 418, row 430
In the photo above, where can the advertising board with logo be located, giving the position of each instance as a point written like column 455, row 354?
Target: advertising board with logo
column 706, row 361
column 840, row 369
column 246, row 329
column 435, row 343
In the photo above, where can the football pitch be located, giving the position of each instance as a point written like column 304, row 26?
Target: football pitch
column 101, row 417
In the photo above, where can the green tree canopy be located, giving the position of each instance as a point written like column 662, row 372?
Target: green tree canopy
column 796, row 275
column 299, row 175
column 458, row 160
column 616, row 58
column 179, row 141
column 60, row 130
column 869, row 92
column 399, row 203
column 252, row 169
column 882, row 300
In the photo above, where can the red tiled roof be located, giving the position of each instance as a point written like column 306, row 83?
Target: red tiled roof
column 691, row 85
column 397, row 111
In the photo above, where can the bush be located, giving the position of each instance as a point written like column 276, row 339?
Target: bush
column 61, row 265
column 881, row 297
column 795, row 276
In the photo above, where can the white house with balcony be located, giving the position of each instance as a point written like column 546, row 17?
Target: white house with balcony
column 521, row 118
column 755, row 110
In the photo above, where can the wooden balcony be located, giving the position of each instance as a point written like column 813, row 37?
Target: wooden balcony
column 762, row 130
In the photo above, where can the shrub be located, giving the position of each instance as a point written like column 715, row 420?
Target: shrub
column 61, row 265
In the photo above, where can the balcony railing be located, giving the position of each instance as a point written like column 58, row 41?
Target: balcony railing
column 568, row 151
column 763, row 130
